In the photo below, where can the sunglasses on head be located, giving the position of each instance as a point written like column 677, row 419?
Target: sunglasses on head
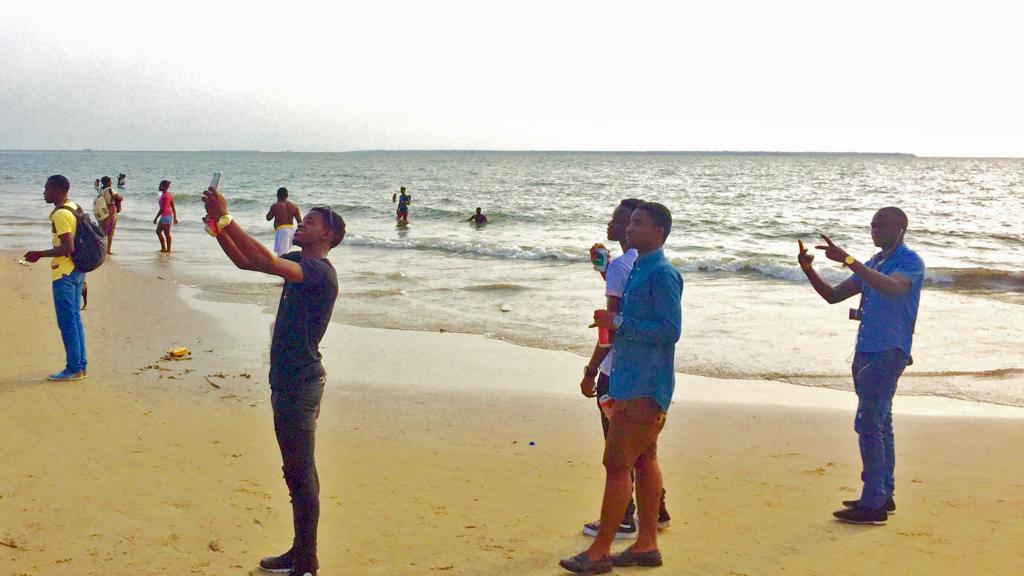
column 326, row 213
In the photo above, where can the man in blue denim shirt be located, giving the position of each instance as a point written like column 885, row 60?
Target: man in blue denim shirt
column 890, row 288
column 646, row 330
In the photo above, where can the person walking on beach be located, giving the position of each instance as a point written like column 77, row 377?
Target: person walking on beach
column 645, row 328
column 105, row 209
column 297, row 375
column 166, row 215
column 285, row 215
column 596, row 372
column 890, row 287
column 67, row 280
column 404, row 199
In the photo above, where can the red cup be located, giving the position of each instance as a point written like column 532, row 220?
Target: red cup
column 604, row 337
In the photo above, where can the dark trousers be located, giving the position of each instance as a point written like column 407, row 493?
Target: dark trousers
column 296, row 407
column 875, row 375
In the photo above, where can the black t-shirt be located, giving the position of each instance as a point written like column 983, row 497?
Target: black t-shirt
column 302, row 317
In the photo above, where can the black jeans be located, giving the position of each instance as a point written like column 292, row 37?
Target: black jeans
column 296, row 407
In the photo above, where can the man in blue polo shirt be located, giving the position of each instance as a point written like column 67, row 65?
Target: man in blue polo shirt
column 890, row 288
column 647, row 326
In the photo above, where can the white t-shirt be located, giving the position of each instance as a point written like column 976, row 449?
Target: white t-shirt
column 614, row 285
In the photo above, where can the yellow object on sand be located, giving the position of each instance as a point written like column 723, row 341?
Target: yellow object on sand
column 179, row 352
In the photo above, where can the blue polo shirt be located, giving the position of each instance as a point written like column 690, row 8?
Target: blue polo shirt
column 644, row 349
column 887, row 322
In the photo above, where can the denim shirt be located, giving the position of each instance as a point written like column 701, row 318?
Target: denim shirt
column 887, row 322
column 644, row 348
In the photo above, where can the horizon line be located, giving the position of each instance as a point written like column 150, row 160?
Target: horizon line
column 525, row 151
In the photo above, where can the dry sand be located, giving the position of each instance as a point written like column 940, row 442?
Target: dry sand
column 426, row 462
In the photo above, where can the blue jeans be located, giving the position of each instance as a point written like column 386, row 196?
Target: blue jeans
column 874, row 378
column 67, row 301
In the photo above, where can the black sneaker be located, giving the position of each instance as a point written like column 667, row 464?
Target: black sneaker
column 861, row 515
column 627, row 529
column 890, row 506
column 283, row 564
column 664, row 520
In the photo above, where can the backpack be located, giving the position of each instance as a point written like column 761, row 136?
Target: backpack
column 90, row 242
column 99, row 206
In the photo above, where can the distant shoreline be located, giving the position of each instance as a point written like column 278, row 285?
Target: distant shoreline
column 691, row 153
column 499, row 151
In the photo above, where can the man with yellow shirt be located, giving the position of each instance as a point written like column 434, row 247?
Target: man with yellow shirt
column 67, row 280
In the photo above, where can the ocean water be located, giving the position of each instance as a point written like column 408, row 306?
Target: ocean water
column 524, row 277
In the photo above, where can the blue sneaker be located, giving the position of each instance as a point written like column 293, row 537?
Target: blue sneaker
column 65, row 376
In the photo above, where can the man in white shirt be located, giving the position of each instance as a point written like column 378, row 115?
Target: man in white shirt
column 596, row 372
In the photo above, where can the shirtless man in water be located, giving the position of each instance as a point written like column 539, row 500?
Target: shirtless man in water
column 285, row 215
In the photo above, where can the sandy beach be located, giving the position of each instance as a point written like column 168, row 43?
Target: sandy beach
column 446, row 454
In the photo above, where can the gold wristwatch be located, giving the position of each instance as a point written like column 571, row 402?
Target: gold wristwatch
column 849, row 260
column 223, row 222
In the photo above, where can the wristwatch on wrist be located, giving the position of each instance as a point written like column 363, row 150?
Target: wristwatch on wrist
column 849, row 260
column 223, row 222
column 617, row 321
column 213, row 228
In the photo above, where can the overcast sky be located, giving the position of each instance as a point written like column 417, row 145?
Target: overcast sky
column 889, row 76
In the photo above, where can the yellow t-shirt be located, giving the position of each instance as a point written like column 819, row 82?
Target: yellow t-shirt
column 63, row 222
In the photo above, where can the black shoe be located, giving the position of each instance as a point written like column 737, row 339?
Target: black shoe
column 283, row 564
column 580, row 564
column 626, row 531
column 890, row 506
column 629, row 558
column 861, row 515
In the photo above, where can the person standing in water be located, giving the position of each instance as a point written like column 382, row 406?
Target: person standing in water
column 285, row 215
column 478, row 218
column 105, row 209
column 404, row 199
column 165, row 216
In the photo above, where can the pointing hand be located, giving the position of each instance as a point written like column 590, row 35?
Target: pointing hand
column 832, row 252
